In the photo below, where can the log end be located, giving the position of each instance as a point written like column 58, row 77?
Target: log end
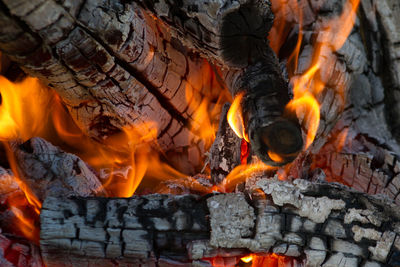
column 244, row 34
column 277, row 143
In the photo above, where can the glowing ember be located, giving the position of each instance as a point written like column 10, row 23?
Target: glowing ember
column 247, row 259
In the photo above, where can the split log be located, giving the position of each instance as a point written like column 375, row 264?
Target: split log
column 49, row 171
column 114, row 66
column 329, row 223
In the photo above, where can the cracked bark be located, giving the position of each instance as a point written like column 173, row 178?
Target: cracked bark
column 327, row 222
column 113, row 65
column 357, row 66
column 49, row 171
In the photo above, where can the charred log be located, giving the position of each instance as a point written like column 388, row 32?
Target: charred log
column 328, row 223
column 237, row 37
column 114, row 66
column 49, row 171
column 225, row 153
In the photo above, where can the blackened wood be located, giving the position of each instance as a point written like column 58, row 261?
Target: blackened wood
column 225, row 153
column 383, row 37
column 4, row 63
column 323, row 222
column 266, row 94
column 237, row 34
column 49, row 171
column 232, row 34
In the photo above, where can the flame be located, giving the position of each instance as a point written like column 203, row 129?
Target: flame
column 235, row 118
column 205, row 102
column 23, row 110
column 307, row 104
column 307, row 86
column 24, row 113
column 341, row 139
column 26, row 224
column 270, row 260
column 247, row 259
column 275, row 157
column 241, row 173
column 30, row 196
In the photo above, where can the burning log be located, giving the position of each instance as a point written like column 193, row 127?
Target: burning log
column 113, row 67
column 236, row 36
column 48, row 171
column 90, row 61
column 117, row 64
column 328, row 222
column 225, row 153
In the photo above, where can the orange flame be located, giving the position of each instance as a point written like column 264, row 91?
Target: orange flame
column 241, row 173
column 26, row 224
column 309, row 106
column 341, row 139
column 23, row 112
column 205, row 102
column 309, row 85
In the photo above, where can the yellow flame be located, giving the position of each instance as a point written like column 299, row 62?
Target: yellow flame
column 240, row 174
column 235, row 118
column 247, row 259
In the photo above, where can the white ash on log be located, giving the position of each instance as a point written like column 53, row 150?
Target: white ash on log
column 328, row 223
column 49, row 171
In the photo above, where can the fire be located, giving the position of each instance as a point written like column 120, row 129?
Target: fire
column 247, row 259
column 307, row 106
column 270, row 260
column 308, row 86
column 23, row 110
column 205, row 102
column 241, row 173
column 129, row 157
column 235, row 118
column 26, row 224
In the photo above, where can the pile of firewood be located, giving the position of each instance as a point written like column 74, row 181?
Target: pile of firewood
column 116, row 65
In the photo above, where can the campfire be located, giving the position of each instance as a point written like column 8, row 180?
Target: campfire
column 199, row 133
